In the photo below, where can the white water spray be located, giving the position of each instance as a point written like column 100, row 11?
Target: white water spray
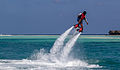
column 59, row 42
column 68, row 47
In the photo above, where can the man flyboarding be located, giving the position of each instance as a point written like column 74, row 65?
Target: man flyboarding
column 80, row 18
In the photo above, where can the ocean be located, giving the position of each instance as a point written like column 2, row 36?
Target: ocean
column 34, row 52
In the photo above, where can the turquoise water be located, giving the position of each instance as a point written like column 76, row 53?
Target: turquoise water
column 102, row 50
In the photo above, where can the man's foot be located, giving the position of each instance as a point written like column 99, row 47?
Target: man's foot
column 75, row 26
column 80, row 30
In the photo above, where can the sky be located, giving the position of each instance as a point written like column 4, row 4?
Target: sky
column 56, row 16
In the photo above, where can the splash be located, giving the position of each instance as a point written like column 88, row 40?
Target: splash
column 59, row 53
column 59, row 42
column 68, row 47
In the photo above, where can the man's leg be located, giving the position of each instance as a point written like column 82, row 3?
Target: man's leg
column 81, row 28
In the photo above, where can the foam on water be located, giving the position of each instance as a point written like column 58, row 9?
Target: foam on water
column 37, row 65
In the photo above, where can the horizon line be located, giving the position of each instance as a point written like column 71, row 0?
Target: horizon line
column 51, row 34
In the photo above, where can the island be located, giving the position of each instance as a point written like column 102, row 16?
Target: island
column 114, row 32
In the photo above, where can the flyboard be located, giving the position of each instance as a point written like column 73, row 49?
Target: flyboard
column 77, row 28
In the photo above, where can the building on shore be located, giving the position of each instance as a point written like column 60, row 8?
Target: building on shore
column 114, row 32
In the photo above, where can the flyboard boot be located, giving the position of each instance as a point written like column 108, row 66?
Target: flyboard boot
column 77, row 25
column 81, row 29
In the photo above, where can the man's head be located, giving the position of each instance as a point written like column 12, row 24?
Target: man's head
column 84, row 12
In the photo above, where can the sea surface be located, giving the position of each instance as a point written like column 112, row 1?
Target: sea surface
column 90, row 52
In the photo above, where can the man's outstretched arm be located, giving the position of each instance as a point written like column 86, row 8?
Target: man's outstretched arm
column 86, row 21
